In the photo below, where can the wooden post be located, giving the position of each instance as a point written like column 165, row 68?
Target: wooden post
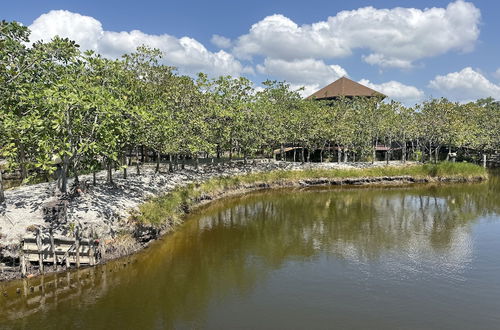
column 52, row 248
column 22, row 262
column 91, row 253
column 91, row 247
column 39, row 248
column 66, row 258
column 77, row 246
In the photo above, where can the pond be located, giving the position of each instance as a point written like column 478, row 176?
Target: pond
column 377, row 257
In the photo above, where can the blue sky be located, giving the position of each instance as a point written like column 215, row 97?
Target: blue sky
column 409, row 50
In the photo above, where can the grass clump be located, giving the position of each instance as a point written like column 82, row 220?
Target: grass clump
column 455, row 170
column 170, row 208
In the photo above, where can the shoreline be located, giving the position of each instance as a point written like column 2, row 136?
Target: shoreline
column 136, row 233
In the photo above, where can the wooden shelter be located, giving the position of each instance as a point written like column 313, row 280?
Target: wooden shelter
column 345, row 87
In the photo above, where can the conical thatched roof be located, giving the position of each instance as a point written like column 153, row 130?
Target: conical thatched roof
column 344, row 87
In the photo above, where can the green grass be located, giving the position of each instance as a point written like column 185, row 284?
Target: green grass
column 170, row 207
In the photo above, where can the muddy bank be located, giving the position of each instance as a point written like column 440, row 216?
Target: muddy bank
column 104, row 211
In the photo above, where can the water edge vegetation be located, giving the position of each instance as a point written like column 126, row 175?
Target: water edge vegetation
column 169, row 208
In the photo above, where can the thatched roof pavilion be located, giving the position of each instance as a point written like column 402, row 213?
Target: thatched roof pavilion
column 345, row 87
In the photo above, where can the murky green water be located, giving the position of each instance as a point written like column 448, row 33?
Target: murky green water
column 409, row 258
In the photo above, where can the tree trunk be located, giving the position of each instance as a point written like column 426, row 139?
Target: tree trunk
column 170, row 165
column 2, row 195
column 413, row 150
column 142, row 154
column 75, row 174
column 484, row 160
column 345, row 155
column 302, row 156
column 421, row 147
column 109, row 178
column 125, row 163
column 389, row 152
column 158, row 159
column 436, row 154
column 94, row 179
column 403, row 151
column 430, row 151
column 197, row 162
column 374, row 155
column 282, row 152
column 339, row 154
column 230, row 149
column 22, row 162
column 294, row 153
column 137, row 162
column 64, row 174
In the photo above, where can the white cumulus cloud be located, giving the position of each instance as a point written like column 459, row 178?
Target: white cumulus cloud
column 496, row 74
column 393, row 37
column 85, row 30
column 465, row 85
column 396, row 90
column 220, row 41
column 306, row 90
column 189, row 55
column 303, row 71
column 385, row 62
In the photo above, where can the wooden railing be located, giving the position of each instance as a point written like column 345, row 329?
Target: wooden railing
column 46, row 249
